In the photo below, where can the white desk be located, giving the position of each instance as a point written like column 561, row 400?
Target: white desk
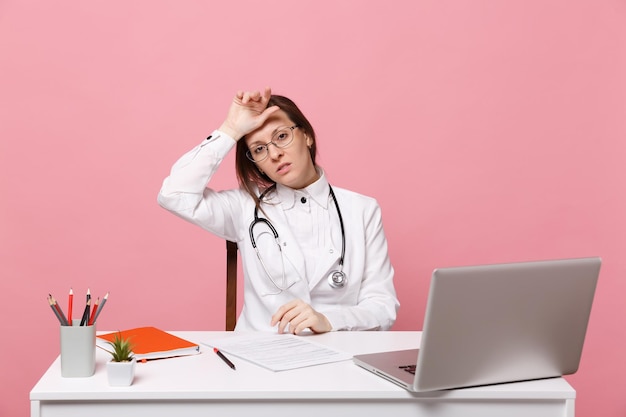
column 202, row 385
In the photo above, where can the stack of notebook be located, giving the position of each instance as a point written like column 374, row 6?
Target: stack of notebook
column 150, row 343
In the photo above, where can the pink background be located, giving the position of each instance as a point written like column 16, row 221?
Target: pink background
column 489, row 131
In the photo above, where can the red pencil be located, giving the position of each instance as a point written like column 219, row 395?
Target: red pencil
column 93, row 312
column 70, row 305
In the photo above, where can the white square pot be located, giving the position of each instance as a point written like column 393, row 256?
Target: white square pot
column 121, row 374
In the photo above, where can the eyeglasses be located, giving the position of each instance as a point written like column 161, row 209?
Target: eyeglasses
column 281, row 139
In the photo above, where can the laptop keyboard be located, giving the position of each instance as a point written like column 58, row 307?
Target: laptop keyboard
column 409, row 368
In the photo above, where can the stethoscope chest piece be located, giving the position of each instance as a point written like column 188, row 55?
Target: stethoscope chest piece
column 337, row 279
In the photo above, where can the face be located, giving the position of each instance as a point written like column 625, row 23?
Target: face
column 290, row 166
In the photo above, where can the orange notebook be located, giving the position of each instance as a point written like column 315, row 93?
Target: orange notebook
column 151, row 343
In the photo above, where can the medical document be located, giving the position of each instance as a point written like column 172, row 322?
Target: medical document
column 278, row 352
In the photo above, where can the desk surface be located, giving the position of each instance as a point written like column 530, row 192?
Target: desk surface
column 204, row 378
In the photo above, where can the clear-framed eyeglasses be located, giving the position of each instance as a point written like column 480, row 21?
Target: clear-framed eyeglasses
column 280, row 139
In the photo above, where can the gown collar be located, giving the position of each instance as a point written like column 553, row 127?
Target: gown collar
column 318, row 192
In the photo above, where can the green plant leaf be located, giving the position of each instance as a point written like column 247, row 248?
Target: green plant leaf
column 122, row 348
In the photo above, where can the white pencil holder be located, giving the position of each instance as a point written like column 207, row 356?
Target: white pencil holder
column 78, row 350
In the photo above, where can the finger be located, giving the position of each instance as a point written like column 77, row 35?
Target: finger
column 284, row 309
column 267, row 94
column 249, row 96
column 278, row 316
column 267, row 113
column 255, row 96
column 282, row 326
column 284, row 322
column 301, row 318
column 291, row 318
column 300, row 323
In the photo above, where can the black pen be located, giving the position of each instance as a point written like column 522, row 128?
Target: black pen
column 224, row 358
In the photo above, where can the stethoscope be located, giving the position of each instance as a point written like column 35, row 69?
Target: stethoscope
column 336, row 279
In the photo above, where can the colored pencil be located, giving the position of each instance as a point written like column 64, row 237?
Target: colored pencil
column 55, row 310
column 224, row 358
column 92, row 318
column 104, row 300
column 70, row 305
column 58, row 308
column 85, row 318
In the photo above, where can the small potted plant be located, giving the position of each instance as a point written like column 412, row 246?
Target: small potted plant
column 121, row 367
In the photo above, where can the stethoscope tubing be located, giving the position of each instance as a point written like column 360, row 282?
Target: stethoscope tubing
column 343, row 231
column 336, row 278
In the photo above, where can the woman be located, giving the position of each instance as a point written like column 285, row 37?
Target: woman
column 314, row 256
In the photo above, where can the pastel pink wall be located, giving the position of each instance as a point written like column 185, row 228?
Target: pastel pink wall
column 489, row 131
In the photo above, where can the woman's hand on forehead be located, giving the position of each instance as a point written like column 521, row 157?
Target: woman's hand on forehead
column 248, row 111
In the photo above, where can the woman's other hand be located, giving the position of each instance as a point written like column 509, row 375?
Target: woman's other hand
column 297, row 316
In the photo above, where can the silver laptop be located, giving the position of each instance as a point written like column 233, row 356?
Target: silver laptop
column 496, row 323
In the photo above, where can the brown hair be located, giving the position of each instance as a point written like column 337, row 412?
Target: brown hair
column 248, row 174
